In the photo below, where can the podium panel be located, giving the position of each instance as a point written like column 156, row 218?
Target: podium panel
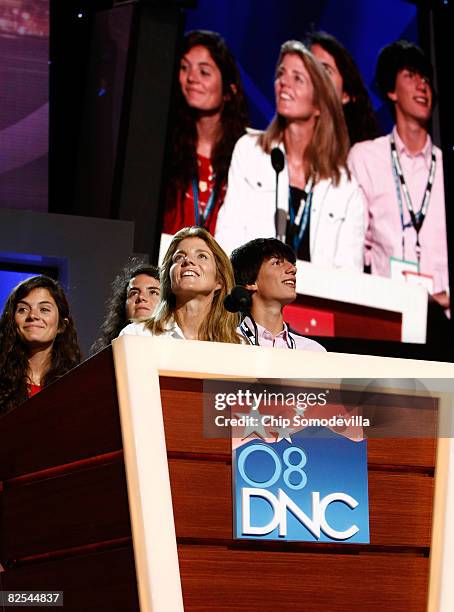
column 402, row 487
column 111, row 492
column 338, row 302
column 316, row 582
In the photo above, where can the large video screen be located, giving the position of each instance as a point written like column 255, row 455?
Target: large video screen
column 392, row 303
column 391, row 295
column 24, row 57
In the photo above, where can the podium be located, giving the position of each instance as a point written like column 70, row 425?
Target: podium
column 341, row 303
column 111, row 494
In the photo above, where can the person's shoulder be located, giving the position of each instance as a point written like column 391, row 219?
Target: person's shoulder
column 438, row 151
column 347, row 180
column 369, row 146
column 250, row 157
column 135, row 329
column 306, row 344
column 253, row 133
column 345, row 187
column 368, row 156
column 250, row 140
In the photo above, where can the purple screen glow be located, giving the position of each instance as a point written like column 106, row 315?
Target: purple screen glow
column 24, row 104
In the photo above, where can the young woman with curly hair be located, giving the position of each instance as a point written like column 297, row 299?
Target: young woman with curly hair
column 38, row 340
column 135, row 293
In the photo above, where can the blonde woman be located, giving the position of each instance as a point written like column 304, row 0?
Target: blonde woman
column 196, row 275
column 321, row 204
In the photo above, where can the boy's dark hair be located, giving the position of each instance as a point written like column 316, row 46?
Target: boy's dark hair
column 397, row 56
column 247, row 259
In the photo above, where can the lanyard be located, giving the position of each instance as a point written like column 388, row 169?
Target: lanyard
column 300, row 221
column 250, row 336
column 417, row 219
column 201, row 218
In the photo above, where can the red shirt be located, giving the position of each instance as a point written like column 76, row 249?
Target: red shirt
column 33, row 389
column 181, row 213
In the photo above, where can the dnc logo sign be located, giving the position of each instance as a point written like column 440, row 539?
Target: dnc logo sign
column 308, row 488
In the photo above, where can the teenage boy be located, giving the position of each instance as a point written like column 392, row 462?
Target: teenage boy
column 401, row 176
column 266, row 267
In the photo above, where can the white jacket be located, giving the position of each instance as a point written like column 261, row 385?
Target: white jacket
column 337, row 222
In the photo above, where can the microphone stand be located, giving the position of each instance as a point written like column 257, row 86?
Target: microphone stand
column 280, row 217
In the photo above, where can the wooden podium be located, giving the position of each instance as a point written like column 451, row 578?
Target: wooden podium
column 86, row 498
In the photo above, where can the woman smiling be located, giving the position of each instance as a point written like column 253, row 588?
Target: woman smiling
column 38, row 341
column 210, row 115
column 319, row 202
column 196, row 276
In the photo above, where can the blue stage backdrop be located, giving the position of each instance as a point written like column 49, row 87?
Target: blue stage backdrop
column 17, row 267
column 254, row 30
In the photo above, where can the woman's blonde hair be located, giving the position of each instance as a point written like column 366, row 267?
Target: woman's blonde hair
column 220, row 325
column 326, row 154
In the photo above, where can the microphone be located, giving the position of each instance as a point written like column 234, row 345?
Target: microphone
column 280, row 216
column 238, row 300
column 277, row 160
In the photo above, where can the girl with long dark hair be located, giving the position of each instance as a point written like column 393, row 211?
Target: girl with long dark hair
column 38, row 340
column 209, row 118
column 135, row 293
